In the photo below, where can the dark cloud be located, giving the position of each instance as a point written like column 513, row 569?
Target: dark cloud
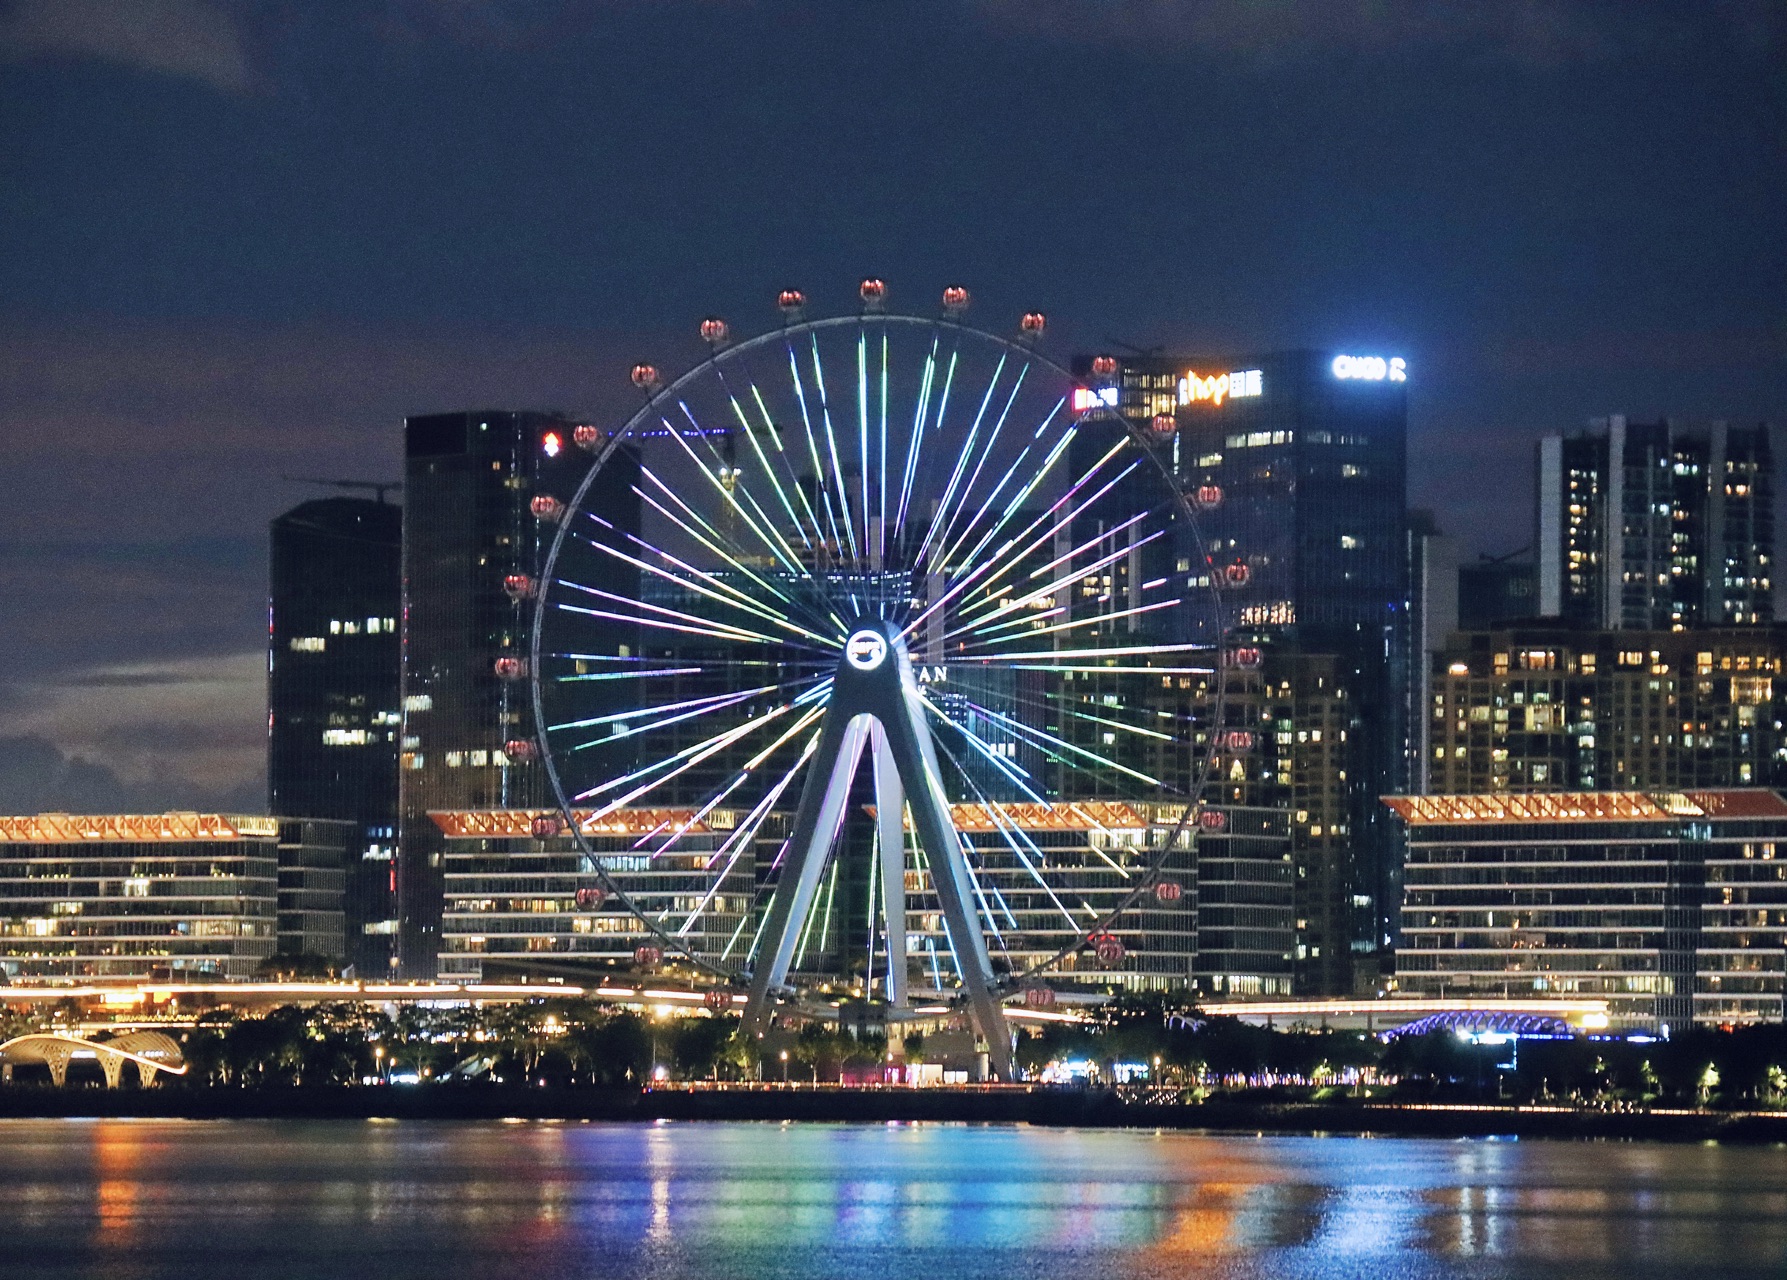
column 36, row 777
column 189, row 39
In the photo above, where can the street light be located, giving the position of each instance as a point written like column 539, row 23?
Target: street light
column 784, row 1066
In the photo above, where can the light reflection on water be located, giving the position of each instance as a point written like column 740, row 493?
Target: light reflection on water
column 469, row 1200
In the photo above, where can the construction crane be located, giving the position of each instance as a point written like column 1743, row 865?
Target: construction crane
column 378, row 487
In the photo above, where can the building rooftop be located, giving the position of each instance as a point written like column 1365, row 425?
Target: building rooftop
column 1587, row 806
column 66, row 828
column 1089, row 815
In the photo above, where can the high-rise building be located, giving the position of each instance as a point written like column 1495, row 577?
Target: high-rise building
column 473, row 548
column 1653, row 526
column 1298, row 461
column 1671, row 905
column 1551, row 707
column 333, row 702
column 1495, row 591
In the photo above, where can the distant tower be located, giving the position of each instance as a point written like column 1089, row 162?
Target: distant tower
column 332, row 696
column 1653, row 526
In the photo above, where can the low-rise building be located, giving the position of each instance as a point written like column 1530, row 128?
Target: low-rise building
column 133, row 897
column 1672, row 906
column 524, row 899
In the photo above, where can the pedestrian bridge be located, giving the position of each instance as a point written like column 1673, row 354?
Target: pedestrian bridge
column 152, row 1051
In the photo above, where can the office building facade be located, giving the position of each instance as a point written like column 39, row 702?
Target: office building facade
column 334, row 702
column 1654, row 526
column 1298, row 462
column 1672, row 906
column 1550, row 707
column 318, row 859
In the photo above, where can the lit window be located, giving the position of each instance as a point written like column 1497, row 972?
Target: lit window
column 308, row 644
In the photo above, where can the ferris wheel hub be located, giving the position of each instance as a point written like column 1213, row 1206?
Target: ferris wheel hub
column 866, row 649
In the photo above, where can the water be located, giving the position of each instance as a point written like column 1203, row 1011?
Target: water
column 136, row 1200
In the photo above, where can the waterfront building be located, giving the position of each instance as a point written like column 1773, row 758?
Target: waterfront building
column 1671, row 905
column 522, row 901
column 473, row 547
column 1654, row 526
column 1298, row 460
column 333, row 719
column 134, row 897
column 1546, row 707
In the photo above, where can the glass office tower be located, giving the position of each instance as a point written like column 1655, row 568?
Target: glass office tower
column 472, row 549
column 335, row 596
column 1309, row 540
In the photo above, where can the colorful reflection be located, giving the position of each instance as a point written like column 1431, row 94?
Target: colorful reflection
column 315, row 1199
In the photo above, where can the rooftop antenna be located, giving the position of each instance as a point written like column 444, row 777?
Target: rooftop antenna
column 378, row 487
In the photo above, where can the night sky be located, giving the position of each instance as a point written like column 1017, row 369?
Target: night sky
column 242, row 241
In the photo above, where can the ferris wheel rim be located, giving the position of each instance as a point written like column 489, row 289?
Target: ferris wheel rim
column 1185, row 829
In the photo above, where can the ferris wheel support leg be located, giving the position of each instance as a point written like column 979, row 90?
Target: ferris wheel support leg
column 890, row 805
column 909, row 742
column 822, row 800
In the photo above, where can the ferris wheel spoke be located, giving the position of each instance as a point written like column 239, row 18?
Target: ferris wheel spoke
column 944, row 542
column 741, row 839
column 945, row 505
column 1009, row 556
column 881, row 467
column 744, row 422
column 987, row 504
column 683, row 761
column 806, row 419
column 1017, row 776
column 1008, row 560
column 981, row 609
column 777, row 546
column 731, row 595
column 1043, row 736
column 688, row 708
column 862, row 436
column 730, row 553
column 782, row 454
column 1015, row 840
column 831, row 442
column 1018, row 500
column 696, row 589
column 915, row 438
column 1066, row 708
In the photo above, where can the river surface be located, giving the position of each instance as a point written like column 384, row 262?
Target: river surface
column 143, row 1199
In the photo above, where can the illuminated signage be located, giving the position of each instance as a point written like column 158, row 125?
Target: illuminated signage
column 865, row 650
column 1085, row 398
column 1219, row 386
column 1371, row 368
column 551, row 443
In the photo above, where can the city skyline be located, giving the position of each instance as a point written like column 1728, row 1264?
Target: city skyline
column 274, row 263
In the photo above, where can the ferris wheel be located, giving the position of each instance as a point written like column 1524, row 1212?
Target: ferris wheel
column 881, row 654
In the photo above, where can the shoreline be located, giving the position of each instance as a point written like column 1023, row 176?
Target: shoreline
column 1054, row 1108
